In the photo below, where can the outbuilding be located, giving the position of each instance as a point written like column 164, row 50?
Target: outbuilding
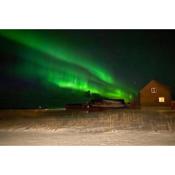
column 155, row 94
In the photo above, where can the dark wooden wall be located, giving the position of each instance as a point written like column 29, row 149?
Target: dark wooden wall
column 152, row 99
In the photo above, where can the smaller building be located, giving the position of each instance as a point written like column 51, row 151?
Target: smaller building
column 155, row 94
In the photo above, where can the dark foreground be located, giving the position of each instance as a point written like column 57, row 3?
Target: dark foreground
column 120, row 127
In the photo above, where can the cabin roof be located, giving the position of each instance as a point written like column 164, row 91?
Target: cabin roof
column 155, row 82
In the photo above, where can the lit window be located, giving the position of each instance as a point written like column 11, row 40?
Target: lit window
column 161, row 99
column 153, row 90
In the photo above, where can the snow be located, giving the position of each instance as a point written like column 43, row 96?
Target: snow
column 76, row 136
column 119, row 127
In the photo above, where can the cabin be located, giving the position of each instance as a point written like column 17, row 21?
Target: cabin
column 155, row 94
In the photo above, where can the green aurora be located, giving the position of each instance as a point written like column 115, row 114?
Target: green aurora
column 54, row 62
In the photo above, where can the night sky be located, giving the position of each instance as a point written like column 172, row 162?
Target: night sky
column 50, row 68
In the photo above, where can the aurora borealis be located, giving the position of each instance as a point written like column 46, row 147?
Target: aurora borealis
column 54, row 63
column 102, row 62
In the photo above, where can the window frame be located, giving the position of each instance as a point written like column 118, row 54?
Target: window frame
column 153, row 90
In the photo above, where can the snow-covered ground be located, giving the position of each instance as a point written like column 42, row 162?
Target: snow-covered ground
column 75, row 136
column 119, row 127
